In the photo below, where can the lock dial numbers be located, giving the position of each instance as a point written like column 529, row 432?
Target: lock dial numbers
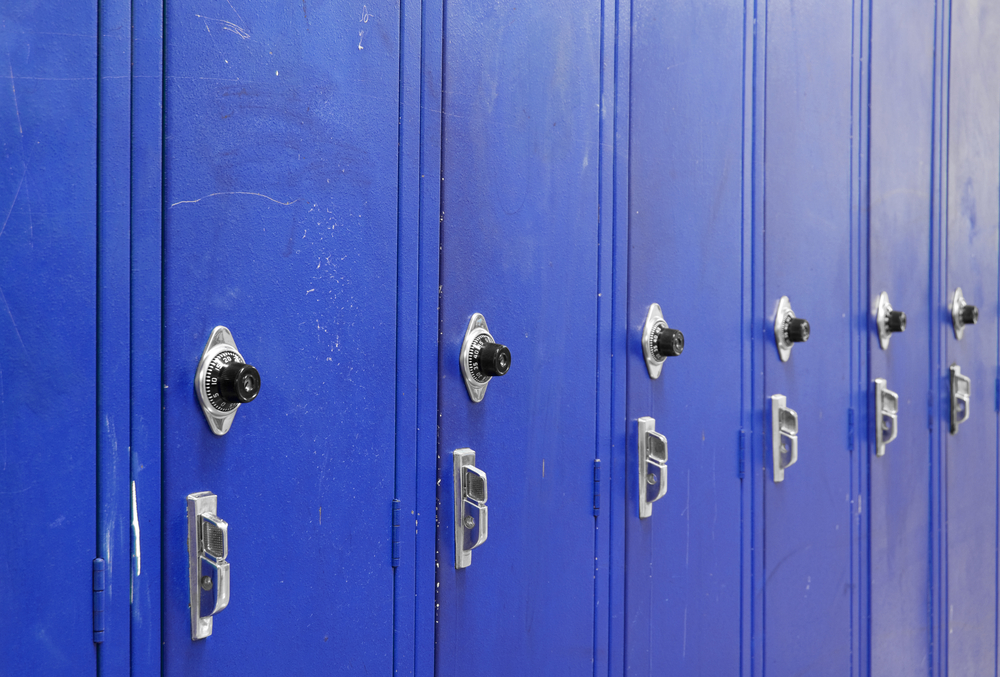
column 224, row 381
column 481, row 358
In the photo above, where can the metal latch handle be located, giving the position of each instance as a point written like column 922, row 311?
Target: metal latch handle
column 886, row 413
column 784, row 436
column 208, row 570
column 652, row 465
column 961, row 392
column 471, row 512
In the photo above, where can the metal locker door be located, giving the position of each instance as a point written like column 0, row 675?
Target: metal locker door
column 519, row 245
column 280, row 170
column 808, row 218
column 48, row 337
column 682, row 582
column 971, row 250
column 899, row 281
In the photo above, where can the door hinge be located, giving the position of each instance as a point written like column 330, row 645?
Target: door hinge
column 850, row 429
column 395, row 532
column 996, row 398
column 741, row 468
column 597, row 487
column 98, row 600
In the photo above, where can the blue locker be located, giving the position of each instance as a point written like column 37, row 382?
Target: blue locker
column 48, row 337
column 898, row 501
column 969, row 262
column 686, row 247
column 280, row 205
column 808, row 219
column 519, row 245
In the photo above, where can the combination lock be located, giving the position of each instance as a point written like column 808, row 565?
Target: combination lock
column 224, row 381
column 788, row 329
column 482, row 358
column 659, row 341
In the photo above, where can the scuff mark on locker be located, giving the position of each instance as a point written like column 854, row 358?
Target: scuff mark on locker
column 13, row 202
column 135, row 532
column 16, row 330
column 226, row 26
column 235, row 192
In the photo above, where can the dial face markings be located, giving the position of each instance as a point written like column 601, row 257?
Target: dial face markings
column 215, row 367
column 474, row 348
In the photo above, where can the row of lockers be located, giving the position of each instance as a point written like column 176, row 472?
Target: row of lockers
column 776, row 479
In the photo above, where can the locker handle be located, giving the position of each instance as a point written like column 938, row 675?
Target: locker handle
column 208, row 570
column 784, row 436
column 886, row 412
column 961, row 392
column 652, row 465
column 471, row 512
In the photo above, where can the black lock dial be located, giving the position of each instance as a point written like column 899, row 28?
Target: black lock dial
column 487, row 359
column 797, row 330
column 970, row 315
column 896, row 321
column 230, row 382
column 665, row 342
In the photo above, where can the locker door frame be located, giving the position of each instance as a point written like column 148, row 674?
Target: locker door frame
column 139, row 114
column 759, row 325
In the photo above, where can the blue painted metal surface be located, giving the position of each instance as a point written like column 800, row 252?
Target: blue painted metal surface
column 519, row 243
column 971, row 250
column 281, row 217
column 685, row 253
column 48, row 336
column 115, row 528
column 898, row 497
column 425, row 538
column 146, row 327
column 807, row 226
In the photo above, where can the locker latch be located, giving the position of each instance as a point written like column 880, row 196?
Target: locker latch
column 886, row 412
column 961, row 390
column 784, row 436
column 208, row 570
column 889, row 321
column 471, row 513
column 224, row 381
column 788, row 329
column 659, row 341
column 481, row 357
column 652, row 465
column 962, row 314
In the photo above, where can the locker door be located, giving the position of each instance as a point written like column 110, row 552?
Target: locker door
column 519, row 245
column 902, row 91
column 280, row 161
column 807, row 257
column 48, row 336
column 685, row 254
column 970, row 455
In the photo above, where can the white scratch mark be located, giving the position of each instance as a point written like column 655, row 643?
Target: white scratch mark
column 16, row 109
column 135, row 530
column 235, row 192
column 684, row 650
column 226, row 26
column 361, row 36
column 309, row 290
column 235, row 12
column 16, row 330
column 365, row 16
column 13, row 202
